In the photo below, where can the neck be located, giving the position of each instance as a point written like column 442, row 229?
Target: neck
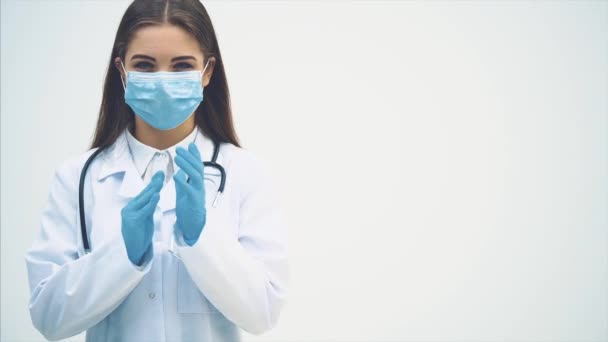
column 160, row 139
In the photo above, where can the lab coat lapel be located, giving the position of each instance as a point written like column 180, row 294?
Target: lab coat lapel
column 205, row 146
column 119, row 160
column 132, row 184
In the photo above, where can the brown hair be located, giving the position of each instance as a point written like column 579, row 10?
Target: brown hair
column 213, row 115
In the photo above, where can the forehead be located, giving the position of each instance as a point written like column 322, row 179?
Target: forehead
column 163, row 41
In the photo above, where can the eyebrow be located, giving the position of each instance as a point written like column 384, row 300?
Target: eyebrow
column 154, row 60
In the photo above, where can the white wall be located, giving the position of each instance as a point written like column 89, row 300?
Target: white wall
column 444, row 165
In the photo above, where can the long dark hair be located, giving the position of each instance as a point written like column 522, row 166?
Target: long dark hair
column 213, row 115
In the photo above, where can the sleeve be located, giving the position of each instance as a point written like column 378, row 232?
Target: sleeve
column 71, row 293
column 247, row 277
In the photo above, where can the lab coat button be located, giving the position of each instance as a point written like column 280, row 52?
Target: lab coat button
column 151, row 295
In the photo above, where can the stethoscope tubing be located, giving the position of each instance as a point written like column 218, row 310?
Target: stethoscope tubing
column 83, row 229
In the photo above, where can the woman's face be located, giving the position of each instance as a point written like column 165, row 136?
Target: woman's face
column 164, row 48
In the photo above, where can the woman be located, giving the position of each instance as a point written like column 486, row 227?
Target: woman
column 163, row 258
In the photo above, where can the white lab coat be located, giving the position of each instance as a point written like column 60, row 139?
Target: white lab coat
column 236, row 275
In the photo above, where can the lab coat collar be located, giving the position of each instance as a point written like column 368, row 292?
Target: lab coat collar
column 142, row 154
column 119, row 160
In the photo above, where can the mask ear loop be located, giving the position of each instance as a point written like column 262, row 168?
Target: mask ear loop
column 205, row 68
column 206, row 64
column 121, row 79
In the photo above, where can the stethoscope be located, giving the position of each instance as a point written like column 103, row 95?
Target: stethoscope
column 83, row 228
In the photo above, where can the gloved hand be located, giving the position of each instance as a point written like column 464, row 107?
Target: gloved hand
column 137, row 219
column 190, row 211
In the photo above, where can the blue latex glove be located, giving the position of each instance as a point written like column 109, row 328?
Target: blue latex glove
column 137, row 219
column 190, row 211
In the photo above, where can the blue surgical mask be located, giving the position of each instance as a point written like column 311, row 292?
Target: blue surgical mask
column 164, row 99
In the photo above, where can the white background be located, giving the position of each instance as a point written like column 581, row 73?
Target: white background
column 444, row 165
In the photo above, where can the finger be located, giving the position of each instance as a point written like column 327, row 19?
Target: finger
column 195, row 152
column 187, row 158
column 197, row 155
column 193, row 160
column 153, row 187
column 180, row 178
column 159, row 175
column 155, row 184
column 150, row 206
column 189, row 169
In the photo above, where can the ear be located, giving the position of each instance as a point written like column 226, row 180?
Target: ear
column 120, row 70
column 208, row 71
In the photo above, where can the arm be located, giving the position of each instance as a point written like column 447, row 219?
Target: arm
column 245, row 278
column 69, row 294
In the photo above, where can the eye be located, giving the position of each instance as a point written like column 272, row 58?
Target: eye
column 183, row 66
column 143, row 65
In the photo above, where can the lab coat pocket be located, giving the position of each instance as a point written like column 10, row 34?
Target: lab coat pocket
column 189, row 298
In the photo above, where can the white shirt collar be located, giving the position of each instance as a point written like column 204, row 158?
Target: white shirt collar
column 142, row 154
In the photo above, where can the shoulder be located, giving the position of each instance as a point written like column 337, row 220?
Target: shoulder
column 75, row 162
column 244, row 160
column 67, row 171
column 250, row 169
